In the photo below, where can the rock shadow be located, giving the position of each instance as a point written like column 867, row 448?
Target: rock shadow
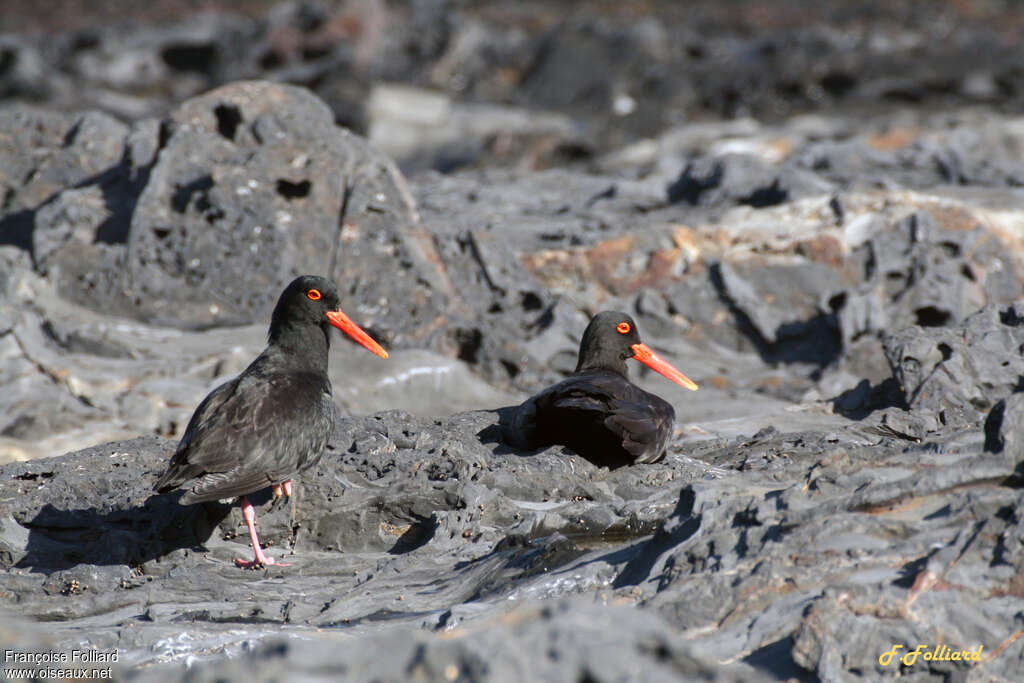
column 504, row 434
column 16, row 229
column 816, row 341
column 61, row 539
column 120, row 186
column 679, row 527
column 416, row 536
column 776, row 660
column 865, row 398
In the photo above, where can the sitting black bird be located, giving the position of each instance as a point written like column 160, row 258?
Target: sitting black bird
column 275, row 418
column 597, row 411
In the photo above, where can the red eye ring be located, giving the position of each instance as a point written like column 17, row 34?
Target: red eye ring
column 623, row 328
column 314, row 294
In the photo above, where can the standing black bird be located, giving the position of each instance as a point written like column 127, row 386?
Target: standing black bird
column 597, row 411
column 264, row 426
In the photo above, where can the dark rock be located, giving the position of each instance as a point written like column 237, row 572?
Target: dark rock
column 79, row 234
column 45, row 152
column 246, row 168
column 922, row 272
column 390, row 487
column 954, row 375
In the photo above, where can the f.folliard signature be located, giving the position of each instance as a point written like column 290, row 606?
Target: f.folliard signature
column 939, row 653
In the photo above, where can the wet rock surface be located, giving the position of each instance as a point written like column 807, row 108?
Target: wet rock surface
column 840, row 275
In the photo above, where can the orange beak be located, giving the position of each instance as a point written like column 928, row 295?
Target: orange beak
column 661, row 366
column 345, row 324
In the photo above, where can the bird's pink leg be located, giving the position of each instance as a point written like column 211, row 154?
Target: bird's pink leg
column 260, row 560
column 287, row 487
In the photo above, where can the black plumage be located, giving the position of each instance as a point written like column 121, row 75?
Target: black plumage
column 275, row 418
column 597, row 411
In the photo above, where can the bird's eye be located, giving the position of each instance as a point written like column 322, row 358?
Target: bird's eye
column 623, row 328
column 314, row 294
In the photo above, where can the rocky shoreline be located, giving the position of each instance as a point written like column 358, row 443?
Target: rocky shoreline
column 844, row 286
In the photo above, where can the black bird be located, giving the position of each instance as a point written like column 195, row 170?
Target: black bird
column 275, row 418
column 597, row 411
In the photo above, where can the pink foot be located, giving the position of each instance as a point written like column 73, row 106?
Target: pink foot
column 258, row 563
column 259, row 559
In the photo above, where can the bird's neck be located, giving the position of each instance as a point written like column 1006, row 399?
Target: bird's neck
column 304, row 345
column 613, row 363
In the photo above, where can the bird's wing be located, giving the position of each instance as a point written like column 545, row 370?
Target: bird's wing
column 186, row 464
column 589, row 400
column 644, row 432
column 572, row 403
column 218, row 485
column 252, row 432
column 585, row 391
column 640, row 419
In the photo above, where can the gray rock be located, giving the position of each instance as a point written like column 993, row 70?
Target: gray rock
column 742, row 179
column 427, row 130
column 842, row 286
column 53, row 151
column 45, row 152
column 248, row 169
column 714, row 546
column 25, row 74
column 957, row 374
column 1002, row 427
column 782, row 305
column 408, row 526
column 578, row 640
